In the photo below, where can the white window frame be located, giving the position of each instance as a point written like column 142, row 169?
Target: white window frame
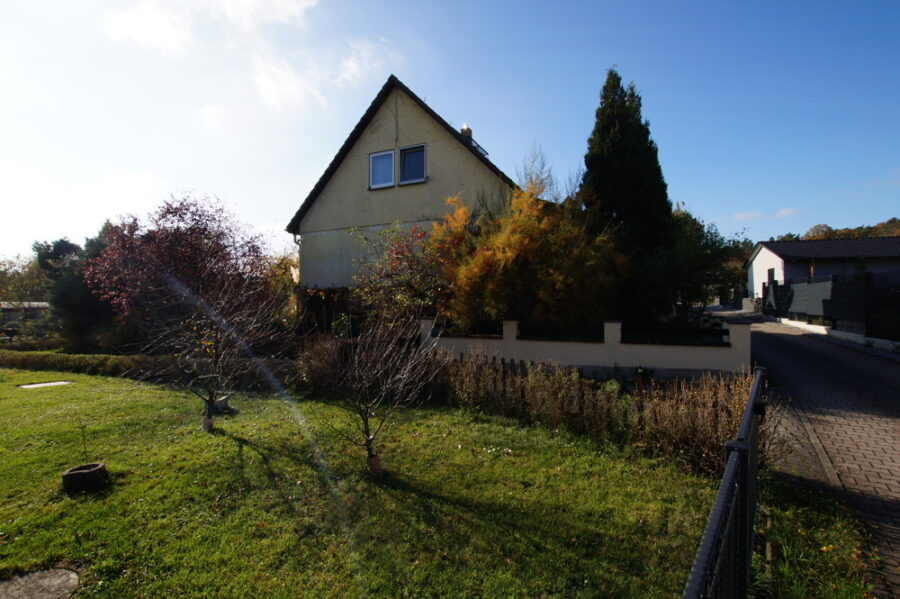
column 374, row 155
column 424, row 165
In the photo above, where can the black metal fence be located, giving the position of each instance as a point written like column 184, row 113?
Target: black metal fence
column 867, row 304
column 722, row 565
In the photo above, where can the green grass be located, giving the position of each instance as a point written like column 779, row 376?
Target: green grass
column 472, row 506
column 816, row 548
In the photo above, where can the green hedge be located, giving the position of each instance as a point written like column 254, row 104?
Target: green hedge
column 134, row 366
column 101, row 364
column 31, row 344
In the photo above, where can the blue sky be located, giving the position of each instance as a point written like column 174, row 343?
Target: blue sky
column 770, row 117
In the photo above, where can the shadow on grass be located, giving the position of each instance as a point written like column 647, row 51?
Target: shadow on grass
column 809, row 544
column 574, row 550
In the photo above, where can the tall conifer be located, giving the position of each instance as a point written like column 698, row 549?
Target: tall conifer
column 623, row 191
column 623, row 186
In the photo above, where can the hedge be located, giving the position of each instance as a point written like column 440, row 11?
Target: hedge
column 133, row 366
column 100, row 364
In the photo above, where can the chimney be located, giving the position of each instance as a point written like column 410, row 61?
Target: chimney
column 466, row 132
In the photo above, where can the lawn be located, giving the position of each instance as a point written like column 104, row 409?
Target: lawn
column 472, row 506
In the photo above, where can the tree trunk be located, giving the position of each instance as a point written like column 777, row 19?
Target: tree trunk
column 208, row 413
column 374, row 463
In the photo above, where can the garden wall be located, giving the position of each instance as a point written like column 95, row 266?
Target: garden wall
column 732, row 356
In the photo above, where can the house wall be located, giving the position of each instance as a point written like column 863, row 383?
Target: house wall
column 757, row 272
column 852, row 267
column 328, row 250
column 611, row 353
column 795, row 270
column 329, row 259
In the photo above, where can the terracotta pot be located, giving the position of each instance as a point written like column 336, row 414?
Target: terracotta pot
column 87, row 477
column 374, row 464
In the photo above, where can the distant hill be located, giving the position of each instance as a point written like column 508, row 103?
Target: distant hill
column 888, row 228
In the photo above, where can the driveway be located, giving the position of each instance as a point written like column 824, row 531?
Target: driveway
column 846, row 420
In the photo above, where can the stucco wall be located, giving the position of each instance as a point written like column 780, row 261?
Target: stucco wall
column 346, row 201
column 757, row 273
column 612, row 352
column 329, row 258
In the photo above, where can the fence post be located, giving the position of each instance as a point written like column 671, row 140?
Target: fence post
column 745, row 525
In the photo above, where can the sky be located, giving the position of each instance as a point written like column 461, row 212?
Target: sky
column 770, row 117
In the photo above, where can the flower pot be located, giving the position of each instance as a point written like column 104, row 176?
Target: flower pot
column 87, row 477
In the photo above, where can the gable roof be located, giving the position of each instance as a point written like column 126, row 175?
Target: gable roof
column 834, row 249
column 390, row 85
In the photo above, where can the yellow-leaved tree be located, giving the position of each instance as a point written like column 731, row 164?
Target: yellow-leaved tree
column 536, row 262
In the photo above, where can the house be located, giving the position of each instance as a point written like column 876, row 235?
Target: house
column 15, row 314
column 784, row 261
column 399, row 164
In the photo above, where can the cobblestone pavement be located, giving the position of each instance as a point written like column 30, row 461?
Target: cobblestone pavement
column 845, row 418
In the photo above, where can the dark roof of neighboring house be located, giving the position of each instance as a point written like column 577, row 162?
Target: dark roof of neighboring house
column 390, row 85
column 826, row 249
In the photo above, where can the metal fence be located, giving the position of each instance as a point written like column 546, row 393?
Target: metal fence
column 722, row 565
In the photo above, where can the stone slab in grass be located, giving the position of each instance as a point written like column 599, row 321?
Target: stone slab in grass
column 57, row 583
column 50, row 384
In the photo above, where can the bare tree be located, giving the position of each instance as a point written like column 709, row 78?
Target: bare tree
column 217, row 342
column 536, row 173
column 386, row 368
column 573, row 183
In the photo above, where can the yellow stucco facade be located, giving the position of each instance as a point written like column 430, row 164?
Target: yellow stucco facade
column 328, row 251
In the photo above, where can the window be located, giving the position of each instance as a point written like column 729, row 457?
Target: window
column 381, row 169
column 412, row 164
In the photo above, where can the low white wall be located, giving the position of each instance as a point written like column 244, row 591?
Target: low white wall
column 883, row 344
column 611, row 353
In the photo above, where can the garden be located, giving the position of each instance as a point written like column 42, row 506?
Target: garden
column 273, row 503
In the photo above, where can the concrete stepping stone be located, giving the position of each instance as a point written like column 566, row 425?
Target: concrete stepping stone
column 57, row 583
column 50, row 384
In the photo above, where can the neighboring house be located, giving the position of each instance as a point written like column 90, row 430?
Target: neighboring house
column 797, row 261
column 15, row 314
column 399, row 165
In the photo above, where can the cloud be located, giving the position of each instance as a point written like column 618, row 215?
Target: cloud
column 150, row 25
column 168, row 25
column 367, row 58
column 249, row 14
column 891, row 179
column 286, row 85
column 283, row 82
column 212, row 116
column 282, row 87
column 742, row 216
column 785, row 212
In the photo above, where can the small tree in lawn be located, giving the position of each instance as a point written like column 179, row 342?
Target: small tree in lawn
column 386, row 368
column 200, row 289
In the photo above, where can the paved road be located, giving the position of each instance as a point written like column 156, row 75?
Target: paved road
column 847, row 420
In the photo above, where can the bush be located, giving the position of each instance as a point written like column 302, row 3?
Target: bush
column 22, row 343
column 141, row 367
column 687, row 419
column 318, row 364
column 99, row 364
